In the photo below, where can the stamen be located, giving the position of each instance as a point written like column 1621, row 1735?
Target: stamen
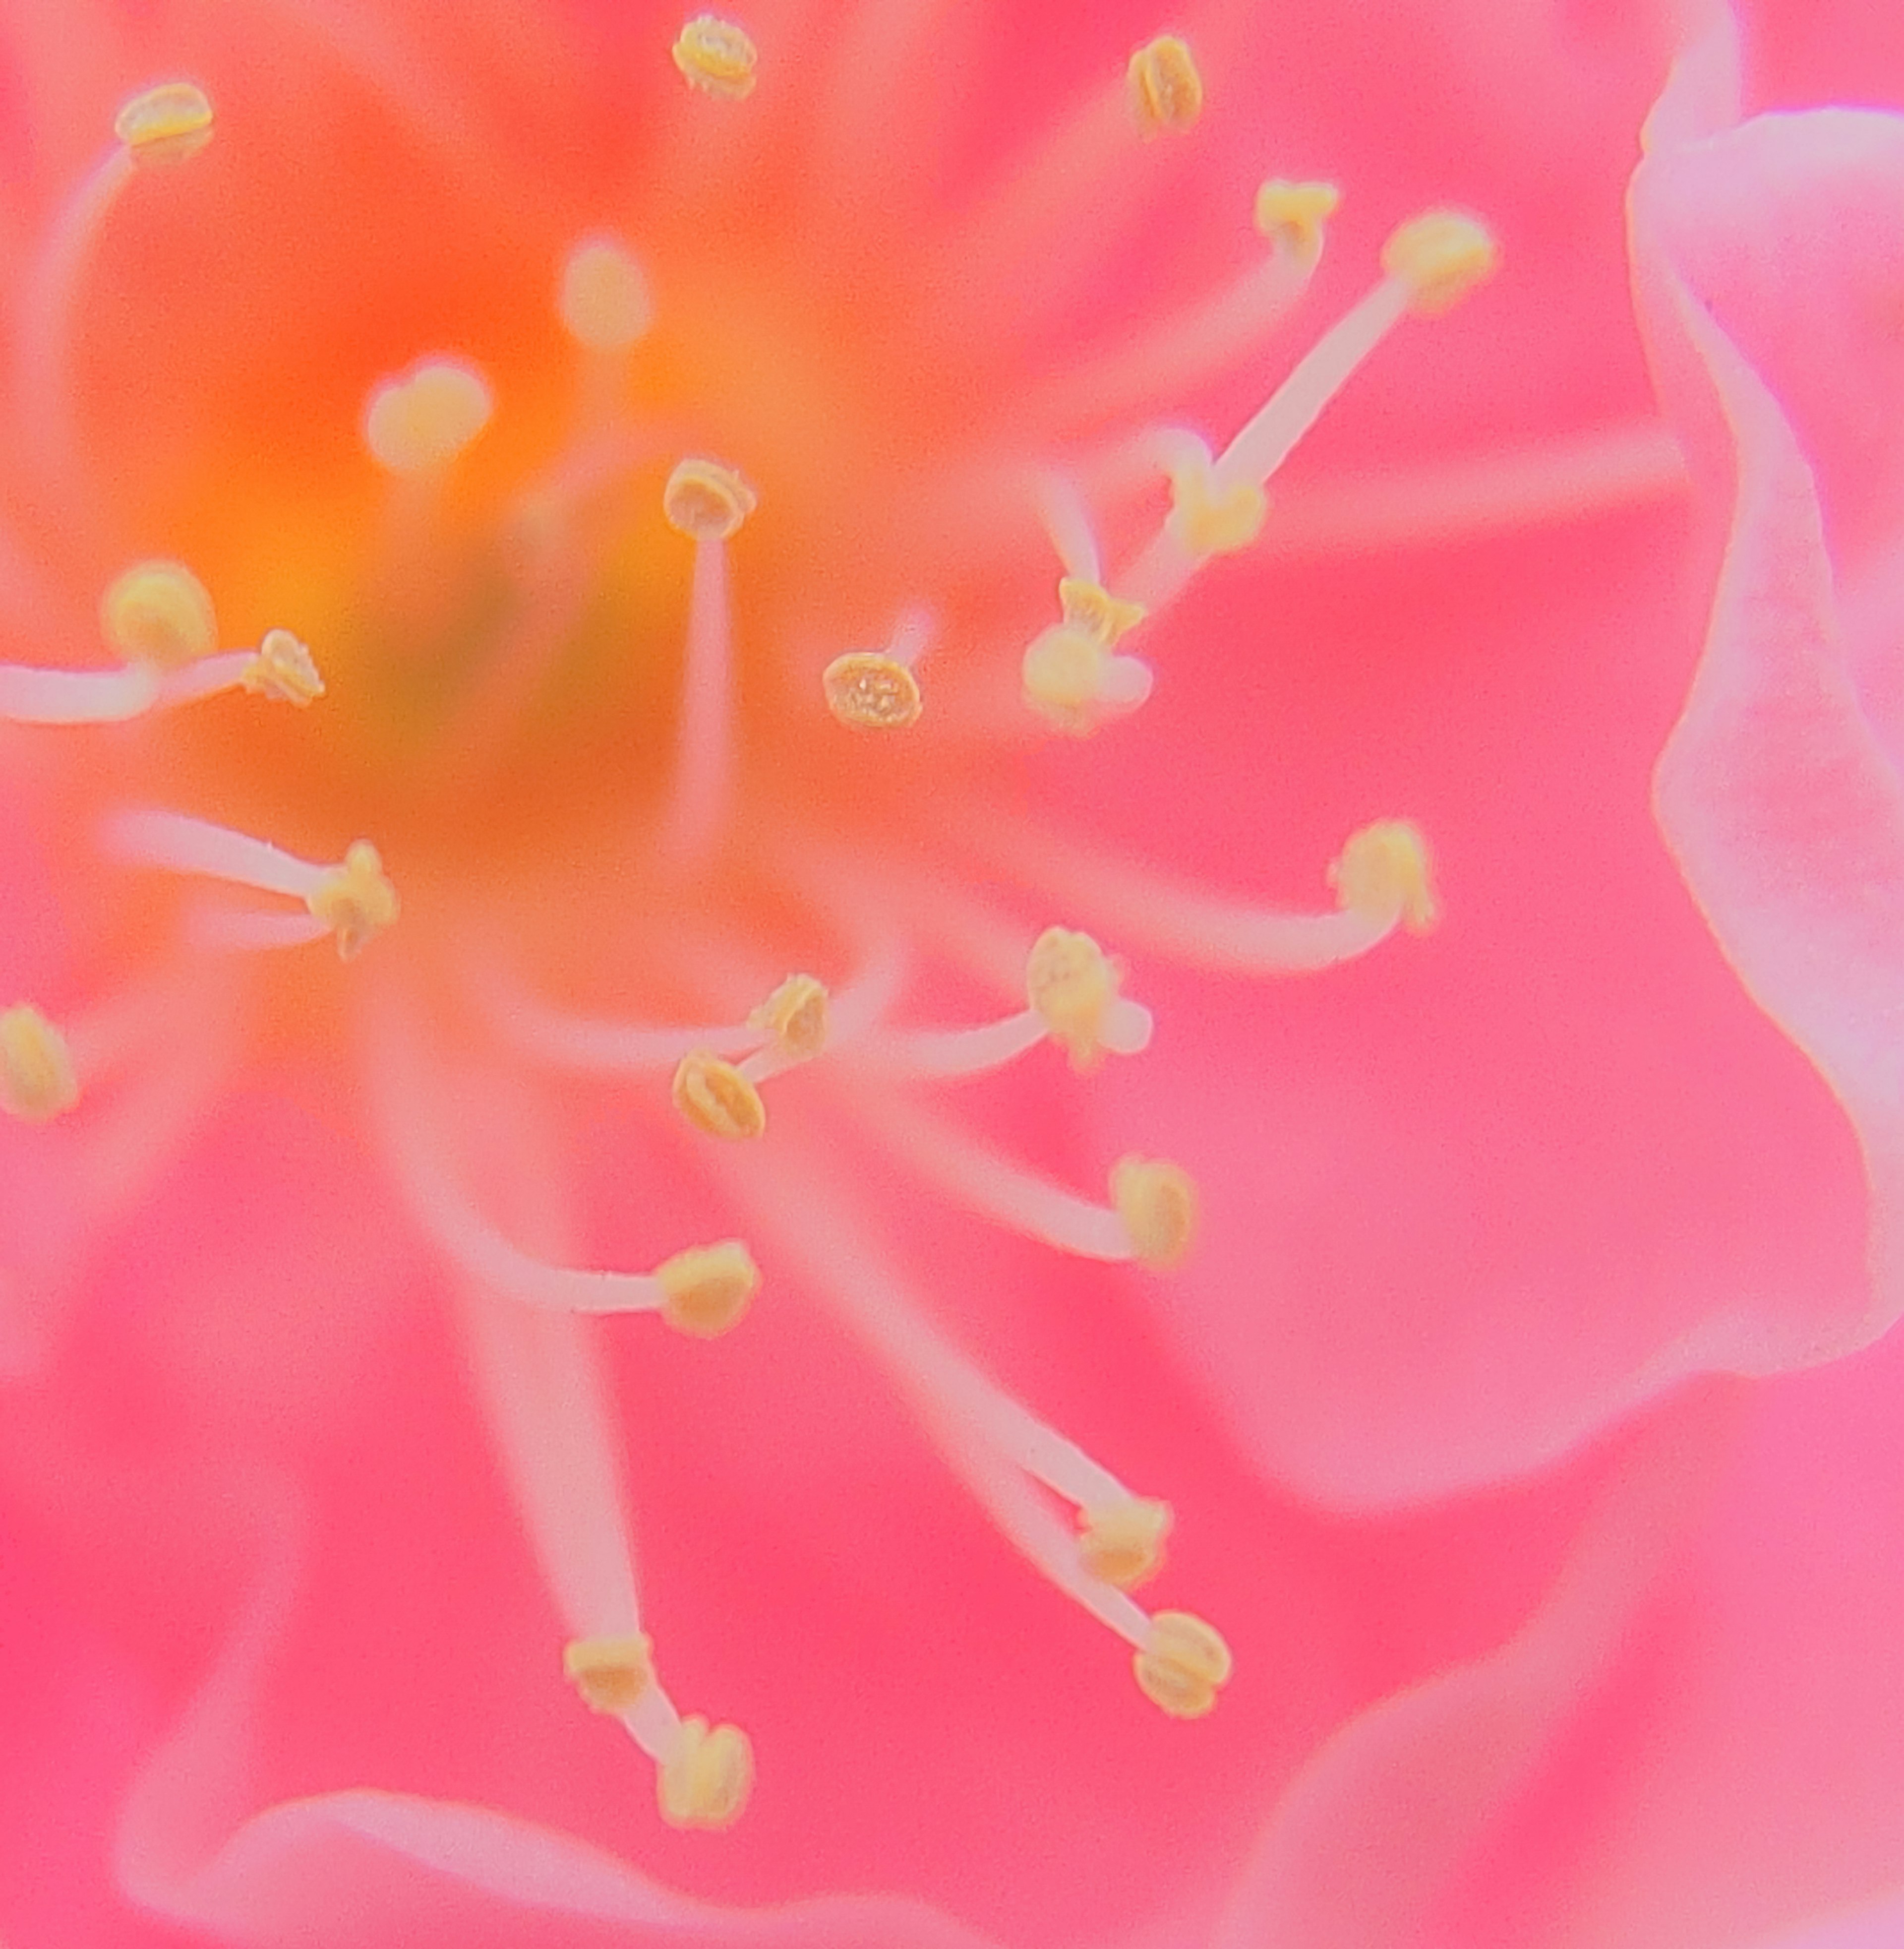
column 1157, row 1203
column 1165, row 91
column 717, row 57
column 1088, row 606
column 1076, row 684
column 1440, row 257
column 38, row 1080
column 1383, row 871
column 165, row 124
column 158, row 613
column 871, row 692
column 419, row 421
column 611, row 1673
column 1123, row 1542
column 355, row 900
column 706, row 1782
column 717, row 1099
column 793, row 1019
column 1072, row 985
column 1182, row 1664
column 707, row 1288
column 603, row 299
column 30, row 696
column 706, row 501
column 1209, row 516
column 1294, row 214
column 283, row 669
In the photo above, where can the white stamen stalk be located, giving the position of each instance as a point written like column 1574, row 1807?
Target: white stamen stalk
column 30, row 696
column 177, row 843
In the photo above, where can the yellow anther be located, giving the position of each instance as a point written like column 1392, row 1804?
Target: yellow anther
column 1441, row 256
column 794, row 1016
column 355, row 900
column 1385, row 868
column 37, row 1079
column 707, row 1782
column 1063, row 674
column 603, row 299
column 158, row 613
column 165, row 124
column 1157, row 1202
column 424, row 418
column 717, row 57
column 1103, row 617
column 283, row 670
column 1072, row 982
column 705, row 500
column 1184, row 1665
column 1165, row 90
column 1208, row 519
column 1124, row 1543
column 871, row 691
column 610, row 1673
column 717, row 1099
column 1294, row 214
column 708, row 1288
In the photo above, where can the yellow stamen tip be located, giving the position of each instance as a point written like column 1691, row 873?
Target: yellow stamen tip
column 1063, row 674
column 794, row 1017
column 1209, row 519
column 355, row 901
column 717, row 57
column 1157, row 1202
column 1441, row 256
column 1386, row 869
column 709, row 1288
column 37, row 1079
column 158, row 613
column 706, row 501
column 610, row 1673
column 707, row 1782
column 603, row 298
column 165, row 124
column 1164, row 89
column 283, row 670
column 1184, row 1665
column 1072, row 983
column 1102, row 616
column 1294, row 215
column 1124, row 1543
column 717, row 1099
column 424, row 418
column 871, row 692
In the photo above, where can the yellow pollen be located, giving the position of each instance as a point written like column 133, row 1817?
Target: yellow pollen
column 794, row 1015
column 355, row 900
column 1072, row 982
column 707, row 500
column 610, row 1673
column 424, row 418
column 707, row 1782
column 1102, row 616
column 165, row 124
column 158, row 613
column 1184, row 1665
column 717, row 1099
column 717, row 57
column 708, row 1288
column 1165, row 90
column 1385, row 868
column 1208, row 519
column 1063, row 674
column 604, row 299
column 283, row 670
column 1157, row 1202
column 37, row 1081
column 1441, row 256
column 871, row 692
column 1123, row 1543
column 1294, row 214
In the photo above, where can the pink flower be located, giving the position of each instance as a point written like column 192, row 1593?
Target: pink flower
column 637, row 489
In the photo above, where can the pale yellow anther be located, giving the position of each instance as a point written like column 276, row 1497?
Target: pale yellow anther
column 1209, row 519
column 1441, row 256
column 283, row 670
column 717, row 1099
column 717, row 57
column 707, row 1782
column 424, row 418
column 1386, row 869
column 165, row 124
column 158, row 613
column 705, row 500
column 871, row 692
column 1184, row 1665
column 794, row 1017
column 1165, row 90
column 610, row 1673
column 708, row 1288
column 603, row 298
column 355, row 901
column 1123, row 1542
column 1294, row 215
column 1103, row 617
column 1064, row 674
column 1157, row 1202
column 1072, row 983
column 37, row 1079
